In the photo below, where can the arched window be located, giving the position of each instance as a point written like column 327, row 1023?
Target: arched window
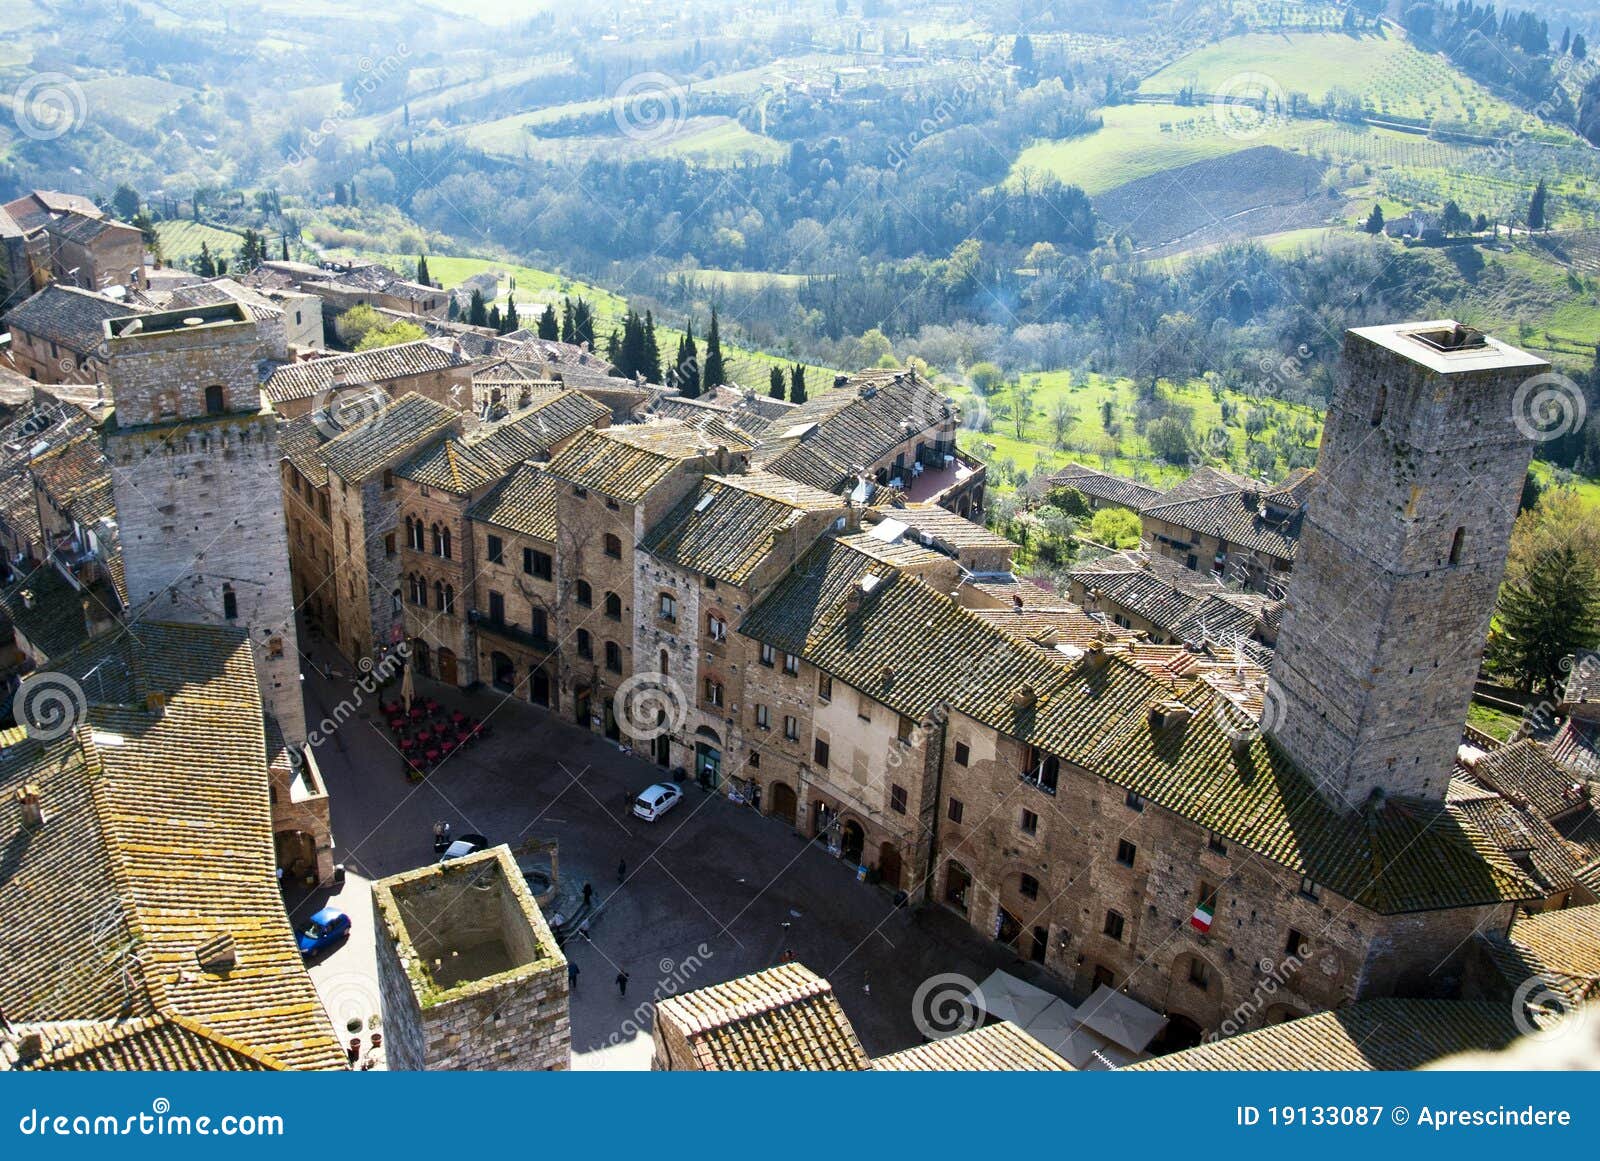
column 437, row 543
column 585, row 594
column 416, row 533
column 613, row 657
column 214, row 400
column 438, row 595
column 449, row 598
column 1455, row 545
column 585, row 648
column 613, row 606
column 444, row 544
column 663, row 661
column 230, row 603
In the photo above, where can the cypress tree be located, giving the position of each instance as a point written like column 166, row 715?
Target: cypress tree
column 652, row 351
column 422, row 270
column 549, row 328
column 495, row 322
column 582, row 323
column 1536, row 208
column 512, row 322
column 797, row 384
column 775, row 383
column 477, row 313
column 567, row 333
column 715, row 375
column 1546, row 618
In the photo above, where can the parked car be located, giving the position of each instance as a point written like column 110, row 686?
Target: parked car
column 654, row 801
column 467, row 844
column 326, row 928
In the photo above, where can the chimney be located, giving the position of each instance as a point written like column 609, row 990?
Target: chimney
column 30, row 1046
column 155, row 704
column 1024, row 697
column 1165, row 715
column 1016, row 602
column 217, row 954
column 32, row 809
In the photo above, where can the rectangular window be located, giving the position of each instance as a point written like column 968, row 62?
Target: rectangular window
column 388, row 542
column 897, row 799
column 906, row 730
column 824, row 687
column 955, row 810
column 1028, row 886
column 763, row 718
column 713, row 692
column 1134, row 801
column 538, row 564
column 1310, row 890
column 963, row 754
column 1214, row 843
column 497, row 608
column 716, row 627
column 1113, row 926
column 497, row 550
column 791, row 664
column 791, row 728
column 1126, row 853
column 755, row 759
column 864, row 707
column 1296, row 945
column 669, row 607
column 1029, row 822
column 819, row 753
column 768, row 655
column 1104, row 977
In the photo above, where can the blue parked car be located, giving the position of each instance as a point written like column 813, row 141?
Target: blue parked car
column 327, row 927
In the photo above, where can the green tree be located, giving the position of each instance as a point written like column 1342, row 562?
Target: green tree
column 985, row 377
column 549, row 328
column 477, row 312
column 583, row 323
column 422, row 270
column 1537, row 216
column 568, row 335
column 496, row 323
column 797, row 384
column 205, row 265
column 1115, row 528
column 651, row 367
column 1062, row 418
column 1171, row 439
column 715, row 374
column 125, row 203
column 511, row 322
column 685, row 374
column 1543, row 618
column 775, row 383
column 1375, row 220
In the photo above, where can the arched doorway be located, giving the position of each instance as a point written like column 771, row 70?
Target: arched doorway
column 296, row 852
column 708, row 758
column 422, row 658
column 1181, row 1032
column 505, row 673
column 539, row 687
column 784, row 806
column 852, row 842
column 1006, row 927
column 957, row 885
column 447, row 666
column 889, row 866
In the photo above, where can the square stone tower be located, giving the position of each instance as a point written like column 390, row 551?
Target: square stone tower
column 1400, row 559
column 468, row 971
column 194, row 458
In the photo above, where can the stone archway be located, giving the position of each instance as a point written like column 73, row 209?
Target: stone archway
column 783, row 804
column 1181, row 1032
column 957, row 886
column 852, row 842
column 296, row 852
column 890, row 871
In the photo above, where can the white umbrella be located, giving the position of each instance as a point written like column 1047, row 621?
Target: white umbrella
column 408, row 691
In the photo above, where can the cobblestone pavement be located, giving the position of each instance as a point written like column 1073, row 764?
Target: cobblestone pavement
column 712, row 891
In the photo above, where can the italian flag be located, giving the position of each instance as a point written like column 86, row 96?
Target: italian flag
column 1201, row 919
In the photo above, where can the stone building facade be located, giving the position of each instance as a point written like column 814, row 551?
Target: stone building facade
column 1422, row 466
column 469, row 973
column 194, row 464
column 513, row 530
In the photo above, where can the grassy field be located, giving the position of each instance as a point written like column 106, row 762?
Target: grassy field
column 743, row 280
column 181, row 239
column 1089, row 442
column 1393, row 78
column 710, row 140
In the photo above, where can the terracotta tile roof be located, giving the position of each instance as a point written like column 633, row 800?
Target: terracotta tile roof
column 699, row 412
column 626, row 462
column 312, row 377
column 783, row 1019
column 1100, row 485
column 1234, row 517
column 160, row 1043
column 839, row 431
column 1001, row 1047
column 300, row 441
column 1176, row 600
column 156, row 854
column 408, row 422
column 941, row 528
column 728, row 525
column 1207, row 481
column 901, row 553
column 19, row 507
column 1577, row 745
column 1373, row 1035
column 77, row 476
column 1525, row 838
column 67, row 316
column 530, row 434
column 1049, row 628
column 1524, row 772
column 48, row 610
column 1560, row 947
column 912, row 648
column 524, row 502
column 451, row 465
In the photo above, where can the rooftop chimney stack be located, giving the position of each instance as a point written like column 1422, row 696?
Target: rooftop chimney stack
column 32, row 809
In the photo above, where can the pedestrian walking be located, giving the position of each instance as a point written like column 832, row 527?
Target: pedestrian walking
column 622, row 983
column 572, row 975
column 622, row 870
column 588, row 894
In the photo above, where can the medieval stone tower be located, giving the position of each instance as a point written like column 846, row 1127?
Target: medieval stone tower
column 195, row 471
column 1400, row 558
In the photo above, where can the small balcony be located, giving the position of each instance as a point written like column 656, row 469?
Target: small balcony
column 509, row 632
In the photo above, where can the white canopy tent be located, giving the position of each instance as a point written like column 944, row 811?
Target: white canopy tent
column 1109, row 1031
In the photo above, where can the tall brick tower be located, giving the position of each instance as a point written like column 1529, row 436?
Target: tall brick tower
column 195, row 473
column 1400, row 558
